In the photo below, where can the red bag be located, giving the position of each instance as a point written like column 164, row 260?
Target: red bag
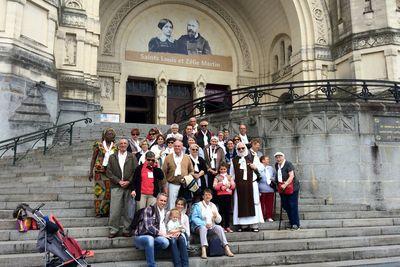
column 287, row 191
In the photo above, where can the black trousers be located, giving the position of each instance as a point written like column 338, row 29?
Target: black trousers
column 225, row 208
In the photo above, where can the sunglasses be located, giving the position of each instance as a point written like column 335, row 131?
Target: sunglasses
column 151, row 160
column 240, row 148
column 170, row 142
column 203, row 125
column 134, row 134
column 152, row 133
column 194, row 149
column 236, row 139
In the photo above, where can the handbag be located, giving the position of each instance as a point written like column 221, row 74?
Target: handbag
column 215, row 248
column 287, row 191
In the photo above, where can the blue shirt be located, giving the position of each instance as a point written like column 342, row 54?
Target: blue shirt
column 266, row 172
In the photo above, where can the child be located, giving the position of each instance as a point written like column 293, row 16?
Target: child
column 180, row 204
column 174, row 222
column 266, row 190
column 224, row 186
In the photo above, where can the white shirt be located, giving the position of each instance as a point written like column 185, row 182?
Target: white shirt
column 121, row 161
column 244, row 139
column 280, row 171
column 163, row 229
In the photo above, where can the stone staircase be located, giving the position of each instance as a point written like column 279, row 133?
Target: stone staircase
column 331, row 234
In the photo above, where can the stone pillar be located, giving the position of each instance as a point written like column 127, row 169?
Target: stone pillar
column 391, row 61
column 161, row 98
column 76, row 55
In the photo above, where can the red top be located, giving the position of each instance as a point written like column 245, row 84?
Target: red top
column 218, row 184
column 147, row 185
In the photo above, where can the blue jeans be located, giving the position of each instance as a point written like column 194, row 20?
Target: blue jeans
column 291, row 204
column 149, row 244
column 180, row 256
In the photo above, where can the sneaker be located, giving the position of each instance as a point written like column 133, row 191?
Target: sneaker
column 270, row 220
column 295, row 227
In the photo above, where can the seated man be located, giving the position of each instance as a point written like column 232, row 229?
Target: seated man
column 151, row 232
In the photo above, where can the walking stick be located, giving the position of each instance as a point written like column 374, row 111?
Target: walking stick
column 280, row 215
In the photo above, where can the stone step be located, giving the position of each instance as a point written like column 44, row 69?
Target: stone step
column 196, row 262
column 62, row 213
column 53, row 183
column 102, row 231
column 380, row 262
column 50, row 204
column 66, row 222
column 261, row 246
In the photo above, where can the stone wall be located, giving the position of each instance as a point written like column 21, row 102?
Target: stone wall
column 333, row 146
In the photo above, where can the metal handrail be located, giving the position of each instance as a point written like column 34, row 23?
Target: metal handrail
column 12, row 143
column 290, row 92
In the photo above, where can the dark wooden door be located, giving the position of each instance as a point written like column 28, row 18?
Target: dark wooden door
column 177, row 94
column 140, row 101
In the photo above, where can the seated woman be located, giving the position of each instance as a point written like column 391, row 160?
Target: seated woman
column 203, row 220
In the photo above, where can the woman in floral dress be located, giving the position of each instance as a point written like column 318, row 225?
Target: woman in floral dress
column 101, row 153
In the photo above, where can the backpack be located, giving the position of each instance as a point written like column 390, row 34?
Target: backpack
column 138, row 218
column 215, row 248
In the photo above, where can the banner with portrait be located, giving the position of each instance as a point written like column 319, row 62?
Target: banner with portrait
column 181, row 36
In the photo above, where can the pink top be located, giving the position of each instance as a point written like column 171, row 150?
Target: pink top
column 224, row 184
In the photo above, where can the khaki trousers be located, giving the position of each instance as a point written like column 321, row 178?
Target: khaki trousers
column 119, row 210
column 145, row 201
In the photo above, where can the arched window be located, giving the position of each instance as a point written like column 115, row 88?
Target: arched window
column 289, row 54
column 368, row 6
column 282, row 53
column 276, row 63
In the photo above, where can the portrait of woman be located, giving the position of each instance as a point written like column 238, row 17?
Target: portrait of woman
column 164, row 43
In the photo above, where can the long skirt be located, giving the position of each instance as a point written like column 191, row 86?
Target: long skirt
column 102, row 195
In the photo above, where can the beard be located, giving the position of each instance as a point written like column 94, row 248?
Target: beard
column 191, row 33
column 242, row 154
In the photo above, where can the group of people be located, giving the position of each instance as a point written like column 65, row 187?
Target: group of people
column 189, row 182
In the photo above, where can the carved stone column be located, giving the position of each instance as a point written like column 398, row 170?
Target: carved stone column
column 199, row 90
column 161, row 98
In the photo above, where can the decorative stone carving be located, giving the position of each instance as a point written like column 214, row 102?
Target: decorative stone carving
column 112, row 28
column 108, row 67
column 161, row 95
column 366, row 40
column 106, row 88
column 74, row 20
column 321, row 21
column 341, row 124
column 73, row 4
column 247, row 81
column 200, row 87
column 310, row 124
column 282, row 73
column 70, row 49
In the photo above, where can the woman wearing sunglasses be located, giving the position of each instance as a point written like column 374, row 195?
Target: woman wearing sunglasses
column 146, row 182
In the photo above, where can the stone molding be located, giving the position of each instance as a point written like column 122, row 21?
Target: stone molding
column 124, row 10
column 247, row 81
column 27, row 59
column 73, row 18
column 364, row 40
column 113, row 67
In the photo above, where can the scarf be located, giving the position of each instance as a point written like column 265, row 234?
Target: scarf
column 196, row 162
column 134, row 145
column 205, row 139
column 213, row 157
column 178, row 161
column 108, row 153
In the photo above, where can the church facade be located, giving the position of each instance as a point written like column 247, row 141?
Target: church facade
column 137, row 60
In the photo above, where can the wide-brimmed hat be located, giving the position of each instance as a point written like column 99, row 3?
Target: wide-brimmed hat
column 190, row 183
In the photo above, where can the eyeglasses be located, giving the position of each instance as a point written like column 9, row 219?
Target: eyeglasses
column 194, row 149
column 240, row 148
column 151, row 160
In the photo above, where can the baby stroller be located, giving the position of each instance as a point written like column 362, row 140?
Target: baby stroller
column 52, row 239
